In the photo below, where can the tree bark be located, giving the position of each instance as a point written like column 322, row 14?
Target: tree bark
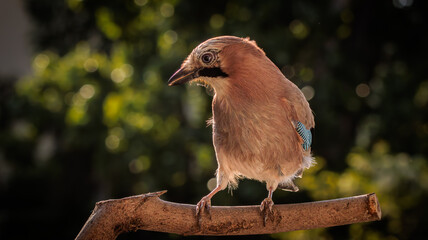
column 148, row 212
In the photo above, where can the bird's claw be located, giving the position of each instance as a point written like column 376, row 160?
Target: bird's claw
column 203, row 205
column 266, row 209
column 267, row 203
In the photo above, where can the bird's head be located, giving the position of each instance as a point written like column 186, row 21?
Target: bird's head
column 220, row 62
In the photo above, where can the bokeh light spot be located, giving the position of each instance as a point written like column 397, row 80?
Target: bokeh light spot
column 117, row 131
column 374, row 101
column 362, row 90
column 139, row 164
column 52, row 100
column 381, row 147
column 128, row 69
column 306, row 74
column 77, row 100
column 41, row 61
column 91, row 65
column 152, row 78
column 289, row 71
column 118, row 75
column 106, row 24
column 87, row 91
column 140, row 121
column 204, row 155
column 309, row 92
column 170, row 37
column 75, row 115
column 217, row 21
column 178, row 179
column 112, row 107
column 421, row 96
column 299, row 29
column 167, row 10
column 45, row 148
column 112, row 142
column 75, row 5
column 141, row 2
column 211, row 184
column 135, row 166
column 402, row 3
column 147, row 123
column 22, row 130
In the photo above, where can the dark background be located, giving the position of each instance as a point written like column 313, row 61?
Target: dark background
column 95, row 119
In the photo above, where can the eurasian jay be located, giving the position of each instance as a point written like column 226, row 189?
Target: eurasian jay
column 261, row 121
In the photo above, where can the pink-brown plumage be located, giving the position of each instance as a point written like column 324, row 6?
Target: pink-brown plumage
column 255, row 109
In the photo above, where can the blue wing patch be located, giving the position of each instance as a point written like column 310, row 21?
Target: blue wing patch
column 305, row 134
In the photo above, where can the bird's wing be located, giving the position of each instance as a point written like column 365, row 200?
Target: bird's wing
column 305, row 134
column 299, row 114
column 293, row 119
column 299, row 104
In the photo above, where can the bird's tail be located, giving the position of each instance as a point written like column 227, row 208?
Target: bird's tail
column 288, row 186
column 308, row 161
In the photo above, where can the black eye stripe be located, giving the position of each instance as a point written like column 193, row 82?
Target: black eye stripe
column 212, row 72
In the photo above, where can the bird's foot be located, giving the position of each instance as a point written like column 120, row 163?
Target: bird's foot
column 203, row 205
column 266, row 209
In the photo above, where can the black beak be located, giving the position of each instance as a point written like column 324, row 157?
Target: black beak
column 182, row 76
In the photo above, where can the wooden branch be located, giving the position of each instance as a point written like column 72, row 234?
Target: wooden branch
column 148, row 212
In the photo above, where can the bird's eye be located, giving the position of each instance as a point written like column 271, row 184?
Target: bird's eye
column 207, row 57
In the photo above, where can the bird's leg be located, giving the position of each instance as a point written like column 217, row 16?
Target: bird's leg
column 205, row 202
column 267, row 202
column 265, row 205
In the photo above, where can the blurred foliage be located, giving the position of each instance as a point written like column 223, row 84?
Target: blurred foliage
column 96, row 120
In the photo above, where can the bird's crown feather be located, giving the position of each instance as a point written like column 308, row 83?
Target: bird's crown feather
column 218, row 43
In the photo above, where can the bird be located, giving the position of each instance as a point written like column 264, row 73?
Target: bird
column 261, row 121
